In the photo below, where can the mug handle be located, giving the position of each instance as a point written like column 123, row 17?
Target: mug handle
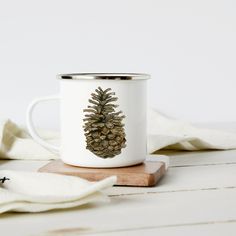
column 30, row 124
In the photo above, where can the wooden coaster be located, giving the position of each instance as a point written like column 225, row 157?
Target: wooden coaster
column 146, row 174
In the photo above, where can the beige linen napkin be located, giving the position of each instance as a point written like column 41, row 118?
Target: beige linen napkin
column 37, row 192
column 16, row 143
column 163, row 133
column 167, row 133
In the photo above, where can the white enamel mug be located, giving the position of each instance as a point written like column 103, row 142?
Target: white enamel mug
column 102, row 117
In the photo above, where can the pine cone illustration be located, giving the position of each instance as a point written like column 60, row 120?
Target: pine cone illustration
column 104, row 130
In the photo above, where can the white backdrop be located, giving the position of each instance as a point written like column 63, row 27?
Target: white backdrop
column 187, row 46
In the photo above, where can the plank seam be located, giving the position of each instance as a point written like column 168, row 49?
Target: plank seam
column 212, row 164
column 231, row 221
column 174, row 191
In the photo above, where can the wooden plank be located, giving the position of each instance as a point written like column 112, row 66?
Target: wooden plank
column 164, row 210
column 205, row 229
column 24, row 165
column 199, row 158
column 188, row 179
column 145, row 174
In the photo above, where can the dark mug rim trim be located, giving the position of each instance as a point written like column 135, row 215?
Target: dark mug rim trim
column 104, row 76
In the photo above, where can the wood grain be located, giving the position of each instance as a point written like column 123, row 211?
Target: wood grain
column 146, row 174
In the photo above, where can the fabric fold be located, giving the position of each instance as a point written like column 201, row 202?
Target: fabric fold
column 33, row 192
column 168, row 133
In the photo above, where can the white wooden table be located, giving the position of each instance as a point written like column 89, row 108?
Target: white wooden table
column 196, row 197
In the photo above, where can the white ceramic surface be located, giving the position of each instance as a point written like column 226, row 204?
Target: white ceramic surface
column 74, row 96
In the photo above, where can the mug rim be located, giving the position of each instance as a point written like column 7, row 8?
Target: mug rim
column 105, row 76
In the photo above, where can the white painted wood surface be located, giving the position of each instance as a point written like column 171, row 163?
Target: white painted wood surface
column 196, row 197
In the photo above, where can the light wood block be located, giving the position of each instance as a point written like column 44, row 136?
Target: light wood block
column 146, row 174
